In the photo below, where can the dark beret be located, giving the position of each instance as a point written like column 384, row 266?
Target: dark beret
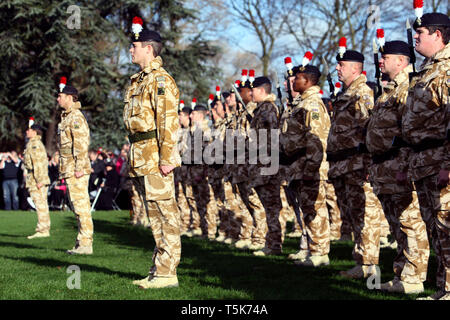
column 434, row 19
column 245, row 84
column 259, row 81
column 70, row 90
column 200, row 108
column 186, row 110
column 225, row 94
column 308, row 69
column 396, row 47
column 36, row 127
column 351, row 55
column 146, row 35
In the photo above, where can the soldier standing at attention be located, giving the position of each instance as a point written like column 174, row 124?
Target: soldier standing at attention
column 304, row 138
column 348, row 159
column 151, row 119
column 74, row 164
column 267, row 186
column 388, row 173
column 37, row 179
column 425, row 127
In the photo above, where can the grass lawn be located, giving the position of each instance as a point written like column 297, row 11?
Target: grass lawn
column 37, row 269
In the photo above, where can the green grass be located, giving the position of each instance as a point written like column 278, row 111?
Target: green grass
column 37, row 269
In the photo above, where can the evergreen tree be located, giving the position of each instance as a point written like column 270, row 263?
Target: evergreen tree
column 37, row 47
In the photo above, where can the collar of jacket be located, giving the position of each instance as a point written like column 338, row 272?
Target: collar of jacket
column 154, row 65
column 75, row 106
column 440, row 56
column 399, row 79
column 309, row 92
column 36, row 138
column 356, row 83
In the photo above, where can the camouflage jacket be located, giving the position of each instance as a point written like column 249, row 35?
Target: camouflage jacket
column 384, row 125
column 36, row 163
column 216, row 170
column 198, row 140
column 181, row 173
column 240, row 172
column 265, row 117
column 151, row 104
column 351, row 113
column 73, row 140
column 305, row 126
column 427, row 115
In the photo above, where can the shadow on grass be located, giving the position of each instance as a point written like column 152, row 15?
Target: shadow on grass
column 221, row 266
column 85, row 267
column 18, row 245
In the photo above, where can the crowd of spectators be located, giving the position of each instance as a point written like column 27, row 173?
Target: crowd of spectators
column 108, row 186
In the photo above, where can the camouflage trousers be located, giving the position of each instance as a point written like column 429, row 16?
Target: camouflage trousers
column 287, row 211
column 194, row 219
column 258, row 223
column 344, row 221
column 219, row 196
column 206, row 207
column 79, row 196
column 39, row 197
column 434, row 203
column 183, row 206
column 164, row 220
column 139, row 216
column 336, row 222
column 311, row 195
column 403, row 213
column 358, row 202
column 269, row 195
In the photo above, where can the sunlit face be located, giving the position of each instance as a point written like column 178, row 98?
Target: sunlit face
column 139, row 53
column 300, row 83
column 64, row 100
column 218, row 107
column 344, row 70
column 197, row 116
column 258, row 94
column 30, row 133
column 184, row 119
column 246, row 95
column 425, row 42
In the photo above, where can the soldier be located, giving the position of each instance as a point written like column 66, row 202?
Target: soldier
column 388, row 173
column 303, row 138
column 150, row 117
column 198, row 171
column 74, row 164
column 425, row 127
column 266, row 185
column 181, row 173
column 37, row 179
column 348, row 159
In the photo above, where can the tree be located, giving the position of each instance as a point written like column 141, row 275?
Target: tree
column 38, row 47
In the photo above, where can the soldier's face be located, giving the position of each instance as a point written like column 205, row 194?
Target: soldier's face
column 218, row 106
column 426, row 42
column 258, row 94
column 184, row 119
column 246, row 95
column 64, row 100
column 138, row 53
column 30, row 133
column 300, row 83
column 196, row 116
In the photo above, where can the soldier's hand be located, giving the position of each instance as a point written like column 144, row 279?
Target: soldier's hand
column 39, row 185
column 78, row 174
column 444, row 177
column 165, row 170
column 400, row 177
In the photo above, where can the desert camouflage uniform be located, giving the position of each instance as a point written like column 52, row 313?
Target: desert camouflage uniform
column 73, row 133
column 36, row 165
column 253, row 212
column 349, row 171
column 267, row 186
column 198, row 173
column 151, row 106
column 426, row 118
column 305, row 133
column 399, row 200
column 181, row 177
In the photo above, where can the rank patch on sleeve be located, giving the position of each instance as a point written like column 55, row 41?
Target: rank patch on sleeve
column 76, row 125
column 315, row 116
column 161, row 91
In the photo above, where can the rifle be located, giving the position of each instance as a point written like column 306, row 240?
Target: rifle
column 377, row 69
column 288, row 84
column 239, row 98
column 280, row 97
column 326, row 70
column 411, row 47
